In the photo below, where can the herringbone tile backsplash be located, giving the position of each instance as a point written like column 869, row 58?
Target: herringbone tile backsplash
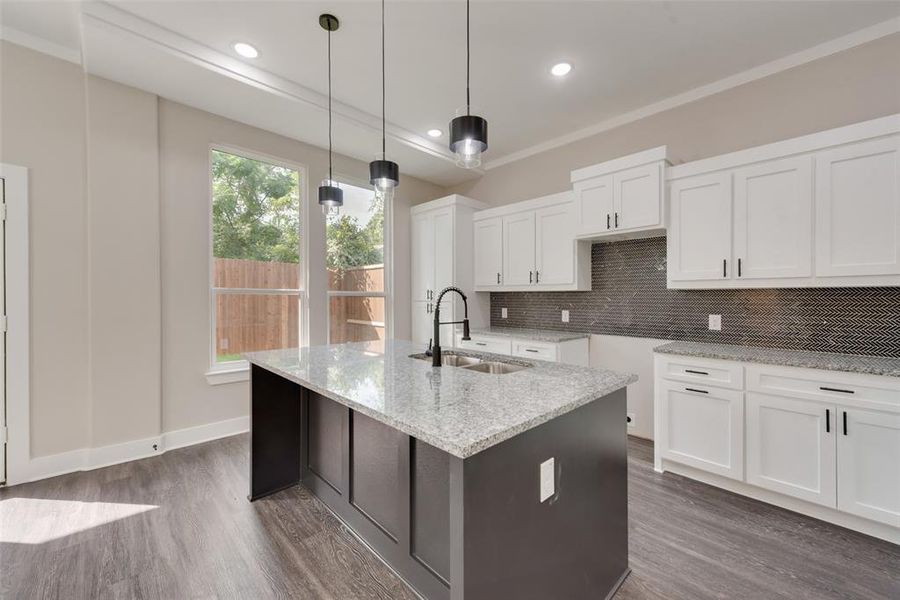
column 629, row 297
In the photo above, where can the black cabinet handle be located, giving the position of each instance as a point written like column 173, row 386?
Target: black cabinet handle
column 607, row 220
column 481, row 343
column 498, row 278
column 537, row 276
column 831, row 389
column 687, row 389
column 845, row 422
column 739, row 267
column 696, row 372
column 724, row 267
column 530, row 350
column 530, row 276
column 617, row 220
column 827, row 420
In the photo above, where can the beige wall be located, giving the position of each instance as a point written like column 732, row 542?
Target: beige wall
column 858, row 84
column 42, row 127
column 119, row 251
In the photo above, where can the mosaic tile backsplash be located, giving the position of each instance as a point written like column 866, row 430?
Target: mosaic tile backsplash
column 629, row 297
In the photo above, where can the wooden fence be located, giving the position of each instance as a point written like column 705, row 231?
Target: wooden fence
column 248, row 322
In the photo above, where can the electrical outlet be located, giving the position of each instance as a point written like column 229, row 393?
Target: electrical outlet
column 503, row 313
column 565, row 316
column 629, row 420
column 548, row 483
column 715, row 322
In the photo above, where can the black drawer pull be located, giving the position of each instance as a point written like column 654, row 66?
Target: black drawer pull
column 687, row 389
column 480, row 343
column 831, row 389
column 845, row 422
column 827, row 420
column 696, row 372
column 531, row 350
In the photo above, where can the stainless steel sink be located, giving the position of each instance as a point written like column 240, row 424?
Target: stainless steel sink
column 450, row 359
column 496, row 367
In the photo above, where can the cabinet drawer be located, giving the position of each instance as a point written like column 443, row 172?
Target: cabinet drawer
column 539, row 350
column 486, row 344
column 709, row 372
column 853, row 389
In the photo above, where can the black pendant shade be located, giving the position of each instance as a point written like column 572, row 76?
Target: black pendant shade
column 330, row 196
column 468, row 132
column 384, row 173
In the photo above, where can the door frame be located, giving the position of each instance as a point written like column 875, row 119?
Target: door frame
column 18, row 357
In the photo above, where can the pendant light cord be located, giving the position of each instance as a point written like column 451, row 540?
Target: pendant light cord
column 383, row 128
column 330, row 176
column 468, row 99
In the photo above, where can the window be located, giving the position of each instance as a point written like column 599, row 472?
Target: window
column 256, row 274
column 355, row 259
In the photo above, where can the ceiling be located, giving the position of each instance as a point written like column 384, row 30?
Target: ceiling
column 626, row 56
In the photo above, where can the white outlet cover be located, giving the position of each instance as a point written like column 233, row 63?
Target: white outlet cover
column 565, row 316
column 548, row 483
column 503, row 313
column 715, row 322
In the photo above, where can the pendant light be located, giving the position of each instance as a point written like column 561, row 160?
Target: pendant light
column 331, row 196
column 468, row 132
column 383, row 174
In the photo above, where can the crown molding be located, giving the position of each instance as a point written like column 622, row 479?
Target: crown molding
column 845, row 42
column 104, row 15
column 39, row 44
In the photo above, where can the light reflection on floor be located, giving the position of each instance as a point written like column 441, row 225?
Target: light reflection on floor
column 38, row 521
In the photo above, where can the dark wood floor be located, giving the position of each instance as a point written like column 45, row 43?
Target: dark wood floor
column 196, row 536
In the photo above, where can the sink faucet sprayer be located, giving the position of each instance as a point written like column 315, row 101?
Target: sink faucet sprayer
column 436, row 349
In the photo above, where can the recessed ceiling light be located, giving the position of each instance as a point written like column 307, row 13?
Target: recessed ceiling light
column 245, row 50
column 435, row 133
column 561, row 69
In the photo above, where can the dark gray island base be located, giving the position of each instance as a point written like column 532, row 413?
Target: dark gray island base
column 458, row 528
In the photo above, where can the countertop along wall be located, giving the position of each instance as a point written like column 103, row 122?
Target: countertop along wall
column 847, row 87
column 119, row 299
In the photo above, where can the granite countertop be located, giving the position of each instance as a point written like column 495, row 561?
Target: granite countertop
column 458, row 411
column 538, row 335
column 872, row 365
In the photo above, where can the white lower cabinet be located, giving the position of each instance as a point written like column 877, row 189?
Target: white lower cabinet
column 703, row 427
column 791, row 447
column 830, row 439
column 868, row 465
column 573, row 352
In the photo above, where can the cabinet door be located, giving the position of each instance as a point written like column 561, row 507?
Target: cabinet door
column 595, row 205
column 638, row 197
column 422, row 322
column 703, row 427
column 858, row 209
column 791, row 447
column 518, row 249
column 773, row 219
column 443, row 250
column 488, row 252
column 868, row 456
column 700, row 231
column 554, row 245
column 422, row 258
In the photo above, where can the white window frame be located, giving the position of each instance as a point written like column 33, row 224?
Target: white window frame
column 239, row 370
column 388, row 267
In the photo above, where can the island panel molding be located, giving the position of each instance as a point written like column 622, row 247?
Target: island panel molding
column 629, row 298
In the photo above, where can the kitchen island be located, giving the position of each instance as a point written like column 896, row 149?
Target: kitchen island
column 446, row 472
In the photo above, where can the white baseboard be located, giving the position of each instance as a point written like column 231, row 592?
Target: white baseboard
column 87, row 459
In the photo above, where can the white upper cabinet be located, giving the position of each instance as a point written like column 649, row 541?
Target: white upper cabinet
column 518, row 249
column 442, row 254
column 638, row 195
column 531, row 246
column 857, row 208
column 822, row 210
column 488, row 252
column 554, row 246
column 699, row 243
column 773, row 219
column 621, row 198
